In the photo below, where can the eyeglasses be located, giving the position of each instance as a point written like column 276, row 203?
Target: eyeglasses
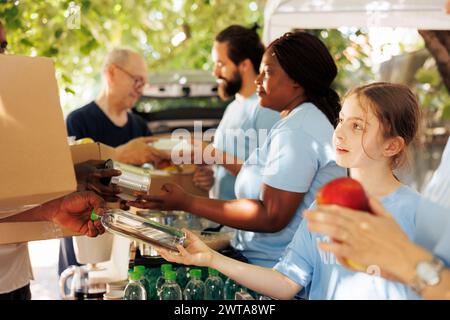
column 138, row 81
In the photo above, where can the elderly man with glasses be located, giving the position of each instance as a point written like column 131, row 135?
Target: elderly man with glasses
column 108, row 120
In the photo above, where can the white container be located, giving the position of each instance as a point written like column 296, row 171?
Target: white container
column 93, row 250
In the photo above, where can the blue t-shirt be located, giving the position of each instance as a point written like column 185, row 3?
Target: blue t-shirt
column 433, row 215
column 324, row 278
column 91, row 122
column 243, row 128
column 297, row 156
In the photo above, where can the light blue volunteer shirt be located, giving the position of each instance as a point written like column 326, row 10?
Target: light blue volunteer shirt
column 324, row 278
column 297, row 156
column 242, row 116
column 433, row 215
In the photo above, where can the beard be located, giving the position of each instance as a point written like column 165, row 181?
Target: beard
column 229, row 87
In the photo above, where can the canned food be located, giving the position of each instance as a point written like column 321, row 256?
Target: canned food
column 132, row 177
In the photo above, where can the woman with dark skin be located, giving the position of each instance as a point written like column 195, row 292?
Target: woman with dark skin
column 279, row 180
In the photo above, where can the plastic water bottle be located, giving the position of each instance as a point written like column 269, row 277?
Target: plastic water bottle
column 170, row 289
column 143, row 279
column 160, row 281
column 213, row 285
column 195, row 288
column 134, row 289
column 182, row 278
column 151, row 275
column 231, row 287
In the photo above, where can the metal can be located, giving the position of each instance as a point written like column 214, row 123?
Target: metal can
column 132, row 177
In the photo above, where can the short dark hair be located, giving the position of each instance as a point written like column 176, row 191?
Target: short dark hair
column 243, row 43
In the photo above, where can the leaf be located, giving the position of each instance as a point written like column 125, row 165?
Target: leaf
column 50, row 52
column 89, row 46
column 58, row 33
column 68, row 90
column 26, row 42
column 66, row 78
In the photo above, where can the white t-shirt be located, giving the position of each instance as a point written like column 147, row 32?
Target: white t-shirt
column 15, row 267
column 15, row 264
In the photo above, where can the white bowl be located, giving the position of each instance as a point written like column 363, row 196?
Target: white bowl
column 170, row 144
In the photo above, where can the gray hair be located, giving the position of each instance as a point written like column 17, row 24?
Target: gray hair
column 119, row 56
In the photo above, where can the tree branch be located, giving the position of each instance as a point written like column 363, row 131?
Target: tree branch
column 438, row 43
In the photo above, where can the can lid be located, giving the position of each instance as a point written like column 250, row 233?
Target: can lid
column 213, row 272
column 139, row 269
column 170, row 275
column 196, row 273
column 166, row 267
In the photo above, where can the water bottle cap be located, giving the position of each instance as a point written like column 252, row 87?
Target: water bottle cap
column 94, row 215
column 166, row 267
column 213, row 272
column 134, row 276
column 139, row 269
column 170, row 275
column 196, row 273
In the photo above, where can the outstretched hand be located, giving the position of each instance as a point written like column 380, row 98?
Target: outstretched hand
column 90, row 175
column 203, row 177
column 196, row 253
column 173, row 197
column 74, row 212
column 138, row 151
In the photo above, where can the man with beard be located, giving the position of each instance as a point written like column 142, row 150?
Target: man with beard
column 237, row 54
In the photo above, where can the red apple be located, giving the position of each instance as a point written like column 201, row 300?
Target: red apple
column 346, row 192
column 349, row 193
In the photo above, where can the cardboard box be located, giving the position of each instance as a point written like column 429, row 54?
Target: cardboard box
column 35, row 162
column 13, row 232
column 34, row 144
column 91, row 151
column 160, row 177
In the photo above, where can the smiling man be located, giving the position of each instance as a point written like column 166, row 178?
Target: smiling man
column 237, row 54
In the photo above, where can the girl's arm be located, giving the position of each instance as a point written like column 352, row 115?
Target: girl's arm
column 263, row 280
column 266, row 281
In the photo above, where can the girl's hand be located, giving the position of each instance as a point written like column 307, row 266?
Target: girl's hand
column 173, row 198
column 196, row 253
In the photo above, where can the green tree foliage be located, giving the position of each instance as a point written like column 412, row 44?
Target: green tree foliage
column 172, row 34
column 49, row 28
